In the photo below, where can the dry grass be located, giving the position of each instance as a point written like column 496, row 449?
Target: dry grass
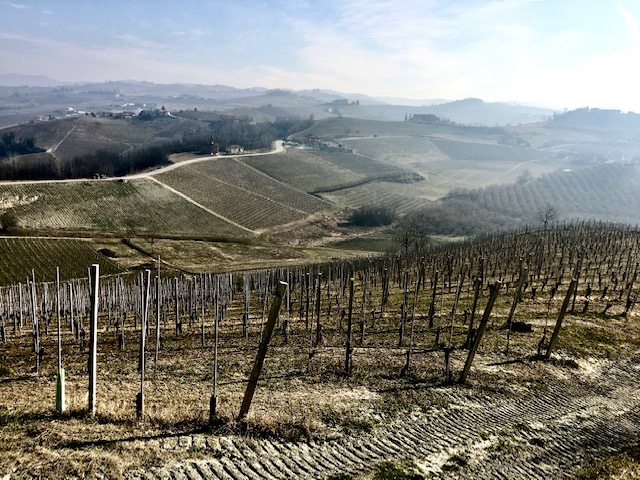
column 624, row 466
column 187, row 256
column 291, row 402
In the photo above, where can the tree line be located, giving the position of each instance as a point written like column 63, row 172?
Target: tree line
column 91, row 165
column 24, row 146
column 222, row 130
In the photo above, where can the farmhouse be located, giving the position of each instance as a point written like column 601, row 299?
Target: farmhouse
column 234, row 149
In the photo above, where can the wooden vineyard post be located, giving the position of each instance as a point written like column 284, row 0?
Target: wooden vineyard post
column 385, row 290
column 563, row 310
column 247, row 306
column 262, row 351
column 71, row 319
column 287, row 316
column 481, row 328
column 407, row 366
column 524, row 272
column 158, row 293
column 34, row 320
column 94, row 284
column 15, row 319
column 177, row 309
column 432, row 305
column 213, row 401
column 307, row 280
column 403, row 308
column 365, row 285
column 21, row 307
column 349, row 348
column 146, row 280
column 203, row 284
column 60, row 390
column 319, row 339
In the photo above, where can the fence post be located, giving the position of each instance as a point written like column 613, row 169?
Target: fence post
column 213, row 401
column 563, row 310
column 349, row 352
column 60, row 390
column 262, row 351
column 94, row 283
column 144, row 323
column 481, row 328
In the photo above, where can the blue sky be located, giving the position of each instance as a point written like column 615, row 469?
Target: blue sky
column 554, row 53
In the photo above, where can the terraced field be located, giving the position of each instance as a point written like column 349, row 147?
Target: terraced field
column 451, row 164
column 19, row 255
column 138, row 206
column 304, row 169
column 242, row 194
column 485, row 151
column 604, row 192
column 402, row 198
column 358, row 163
column 405, row 151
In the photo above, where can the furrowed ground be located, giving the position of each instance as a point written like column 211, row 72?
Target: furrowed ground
column 517, row 414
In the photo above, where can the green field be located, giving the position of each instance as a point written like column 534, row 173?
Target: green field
column 19, row 255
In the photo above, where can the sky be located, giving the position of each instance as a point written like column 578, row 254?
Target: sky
column 550, row 53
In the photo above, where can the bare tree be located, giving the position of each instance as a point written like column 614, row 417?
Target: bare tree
column 411, row 235
column 549, row 213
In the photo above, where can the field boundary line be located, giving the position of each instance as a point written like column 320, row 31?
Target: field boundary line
column 244, row 164
column 189, row 199
column 250, row 192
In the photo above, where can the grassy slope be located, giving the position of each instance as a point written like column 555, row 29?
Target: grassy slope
column 110, row 207
column 242, row 194
column 76, row 136
column 305, row 169
column 602, row 192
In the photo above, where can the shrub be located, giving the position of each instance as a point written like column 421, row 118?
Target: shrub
column 372, row 216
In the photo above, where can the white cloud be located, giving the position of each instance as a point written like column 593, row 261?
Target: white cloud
column 632, row 24
column 556, row 54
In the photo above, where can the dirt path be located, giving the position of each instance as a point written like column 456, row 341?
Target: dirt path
column 53, row 149
column 191, row 200
column 548, row 435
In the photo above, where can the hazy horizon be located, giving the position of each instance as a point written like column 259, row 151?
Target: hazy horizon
column 562, row 54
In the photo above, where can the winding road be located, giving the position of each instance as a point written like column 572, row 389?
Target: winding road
column 278, row 148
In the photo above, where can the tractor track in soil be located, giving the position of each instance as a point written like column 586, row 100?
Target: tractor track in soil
column 478, row 435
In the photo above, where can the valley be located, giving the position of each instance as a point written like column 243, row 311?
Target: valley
column 209, row 236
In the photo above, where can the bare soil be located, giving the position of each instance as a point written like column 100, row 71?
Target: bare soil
column 517, row 417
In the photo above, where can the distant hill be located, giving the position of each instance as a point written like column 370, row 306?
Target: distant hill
column 15, row 80
column 470, row 111
column 598, row 119
column 24, row 95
